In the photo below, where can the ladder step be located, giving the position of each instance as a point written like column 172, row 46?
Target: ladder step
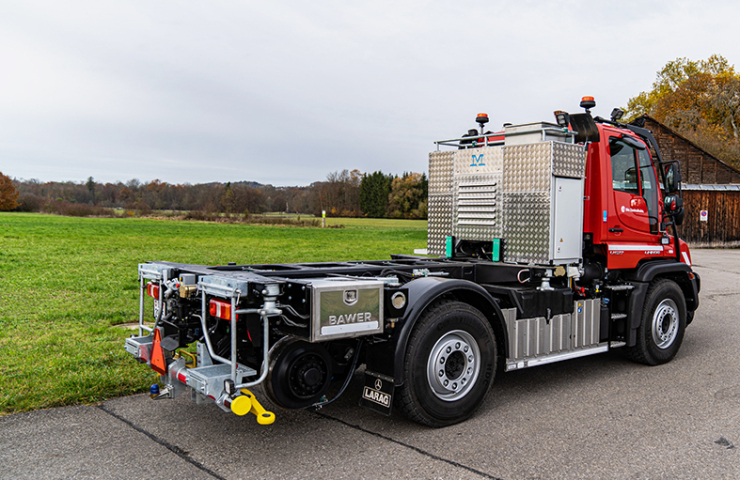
column 618, row 316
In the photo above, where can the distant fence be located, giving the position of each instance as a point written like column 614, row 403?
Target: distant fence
column 722, row 225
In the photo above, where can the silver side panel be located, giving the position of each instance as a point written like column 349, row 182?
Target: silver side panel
column 586, row 323
column 531, row 337
column 140, row 347
column 543, row 212
column 567, row 230
column 568, row 160
column 535, row 341
column 440, row 173
column 526, row 219
column 439, row 223
column 527, row 202
column 476, row 193
column 440, row 201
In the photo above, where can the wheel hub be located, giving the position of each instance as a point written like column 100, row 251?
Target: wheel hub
column 453, row 365
column 665, row 324
column 306, row 379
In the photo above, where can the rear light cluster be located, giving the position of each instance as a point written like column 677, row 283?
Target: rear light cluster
column 152, row 289
column 220, row 309
column 217, row 308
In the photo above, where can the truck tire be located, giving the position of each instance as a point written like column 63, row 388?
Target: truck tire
column 449, row 365
column 663, row 324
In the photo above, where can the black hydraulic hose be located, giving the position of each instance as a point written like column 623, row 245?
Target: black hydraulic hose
column 351, row 372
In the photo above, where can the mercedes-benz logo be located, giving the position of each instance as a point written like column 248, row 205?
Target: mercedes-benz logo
column 378, row 384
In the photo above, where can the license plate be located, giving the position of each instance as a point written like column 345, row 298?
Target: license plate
column 377, row 394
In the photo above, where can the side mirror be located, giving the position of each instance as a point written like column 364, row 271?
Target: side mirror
column 672, row 178
column 673, row 207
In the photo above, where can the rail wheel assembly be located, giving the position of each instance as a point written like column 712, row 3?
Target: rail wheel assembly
column 299, row 375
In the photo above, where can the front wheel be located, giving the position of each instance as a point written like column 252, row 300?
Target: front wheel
column 449, row 365
column 663, row 323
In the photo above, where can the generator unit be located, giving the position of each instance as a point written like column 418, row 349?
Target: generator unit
column 523, row 195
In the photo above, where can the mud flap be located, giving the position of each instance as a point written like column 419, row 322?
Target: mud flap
column 377, row 394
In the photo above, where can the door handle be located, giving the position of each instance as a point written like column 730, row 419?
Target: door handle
column 616, row 230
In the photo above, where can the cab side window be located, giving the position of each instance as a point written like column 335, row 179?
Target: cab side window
column 625, row 176
column 649, row 188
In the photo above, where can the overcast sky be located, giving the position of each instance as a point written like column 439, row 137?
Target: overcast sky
column 284, row 92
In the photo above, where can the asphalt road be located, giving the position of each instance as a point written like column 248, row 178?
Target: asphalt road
column 595, row 417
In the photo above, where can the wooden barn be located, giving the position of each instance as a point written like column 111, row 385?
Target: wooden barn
column 711, row 190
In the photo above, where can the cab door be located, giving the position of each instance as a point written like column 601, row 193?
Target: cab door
column 635, row 190
column 634, row 221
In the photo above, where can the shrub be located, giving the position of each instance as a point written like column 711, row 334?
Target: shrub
column 28, row 202
column 76, row 209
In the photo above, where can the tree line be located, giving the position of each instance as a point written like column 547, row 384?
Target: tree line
column 343, row 194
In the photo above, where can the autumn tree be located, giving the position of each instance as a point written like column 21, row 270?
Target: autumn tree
column 248, row 199
column 407, row 199
column 8, row 193
column 339, row 195
column 126, row 194
column 279, row 202
column 698, row 99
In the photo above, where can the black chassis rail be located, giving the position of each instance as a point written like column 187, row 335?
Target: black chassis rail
column 480, row 271
column 286, row 271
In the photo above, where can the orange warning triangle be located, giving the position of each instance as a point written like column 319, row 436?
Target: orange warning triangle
column 158, row 363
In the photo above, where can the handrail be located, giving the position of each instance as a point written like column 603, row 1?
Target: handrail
column 268, row 310
column 482, row 139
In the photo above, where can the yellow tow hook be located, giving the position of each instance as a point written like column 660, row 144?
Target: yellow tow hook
column 247, row 403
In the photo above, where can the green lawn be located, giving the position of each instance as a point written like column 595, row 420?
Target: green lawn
column 67, row 281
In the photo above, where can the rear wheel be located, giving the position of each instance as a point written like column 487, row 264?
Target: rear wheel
column 449, row 365
column 663, row 323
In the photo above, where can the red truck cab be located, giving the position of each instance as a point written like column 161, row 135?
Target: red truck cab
column 623, row 201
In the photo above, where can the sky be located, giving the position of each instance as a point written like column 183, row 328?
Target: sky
column 285, row 92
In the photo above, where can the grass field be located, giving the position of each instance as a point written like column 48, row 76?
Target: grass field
column 66, row 282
